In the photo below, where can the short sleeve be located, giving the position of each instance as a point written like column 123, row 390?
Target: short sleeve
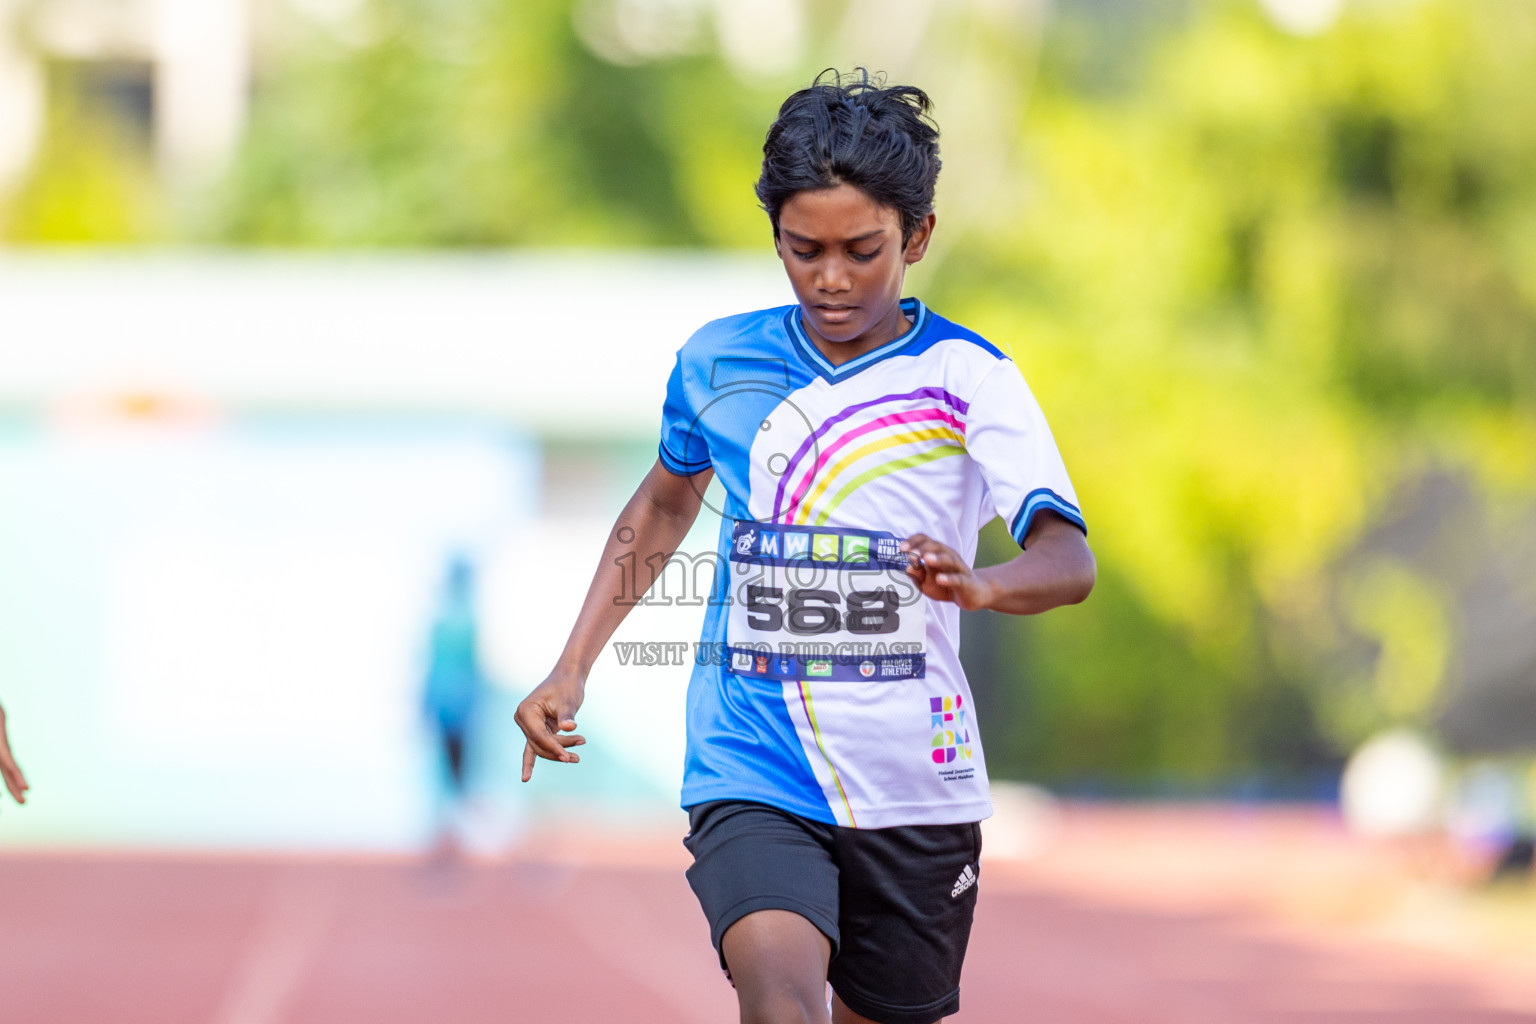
column 683, row 448
column 1007, row 437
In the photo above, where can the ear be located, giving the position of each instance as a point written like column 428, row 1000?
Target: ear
column 917, row 245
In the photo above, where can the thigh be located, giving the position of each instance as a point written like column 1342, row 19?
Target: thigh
column 778, row 963
column 907, row 898
column 750, row 857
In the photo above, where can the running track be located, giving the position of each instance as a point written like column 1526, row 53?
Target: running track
column 598, row 929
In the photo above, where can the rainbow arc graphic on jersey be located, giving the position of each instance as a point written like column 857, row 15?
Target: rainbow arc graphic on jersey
column 848, row 450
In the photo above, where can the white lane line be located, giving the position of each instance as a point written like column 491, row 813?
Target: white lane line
column 294, row 920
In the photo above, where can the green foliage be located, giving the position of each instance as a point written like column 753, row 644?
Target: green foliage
column 1260, row 291
column 487, row 123
column 93, row 182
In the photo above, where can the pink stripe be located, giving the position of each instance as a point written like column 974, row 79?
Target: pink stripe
column 895, row 418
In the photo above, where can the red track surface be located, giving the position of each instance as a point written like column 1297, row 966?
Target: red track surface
column 616, row 936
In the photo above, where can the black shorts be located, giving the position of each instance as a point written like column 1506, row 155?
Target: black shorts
column 896, row 903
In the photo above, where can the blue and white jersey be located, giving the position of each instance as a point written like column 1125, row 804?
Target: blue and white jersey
column 827, row 684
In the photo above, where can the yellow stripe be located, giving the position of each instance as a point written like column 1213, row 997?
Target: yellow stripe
column 810, row 710
column 937, row 452
column 892, row 441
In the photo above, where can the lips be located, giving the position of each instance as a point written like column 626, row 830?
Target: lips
column 836, row 314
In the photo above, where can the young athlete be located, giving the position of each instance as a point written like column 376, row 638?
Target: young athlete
column 834, row 775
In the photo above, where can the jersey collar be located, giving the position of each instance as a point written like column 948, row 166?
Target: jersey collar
column 818, row 362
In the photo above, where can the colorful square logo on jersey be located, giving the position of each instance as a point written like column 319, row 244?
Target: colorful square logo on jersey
column 818, row 668
column 824, row 547
column 741, row 661
column 796, row 545
column 946, row 713
column 768, row 544
column 855, row 549
column 951, row 739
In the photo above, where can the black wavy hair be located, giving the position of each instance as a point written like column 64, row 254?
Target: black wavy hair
column 853, row 130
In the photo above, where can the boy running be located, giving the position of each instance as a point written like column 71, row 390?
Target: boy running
column 834, row 775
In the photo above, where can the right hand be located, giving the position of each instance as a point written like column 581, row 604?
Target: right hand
column 9, row 769
column 545, row 716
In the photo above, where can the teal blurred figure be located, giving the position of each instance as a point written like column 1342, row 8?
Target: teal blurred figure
column 455, row 687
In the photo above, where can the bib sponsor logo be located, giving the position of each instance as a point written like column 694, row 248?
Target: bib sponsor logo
column 744, row 542
column 762, row 664
column 818, row 668
column 824, row 547
column 741, row 661
column 768, row 544
column 855, row 549
column 866, row 669
column 796, row 545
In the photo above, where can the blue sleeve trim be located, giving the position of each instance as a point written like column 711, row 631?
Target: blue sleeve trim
column 677, row 466
column 1040, row 498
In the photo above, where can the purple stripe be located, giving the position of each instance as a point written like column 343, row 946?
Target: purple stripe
column 954, row 402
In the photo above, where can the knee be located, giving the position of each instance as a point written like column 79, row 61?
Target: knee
column 782, row 1005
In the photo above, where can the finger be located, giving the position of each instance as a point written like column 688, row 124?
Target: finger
column 15, row 782
column 927, row 552
column 528, row 761
column 570, row 741
column 538, row 726
column 931, row 549
column 939, row 555
column 957, row 587
column 559, row 741
column 951, row 573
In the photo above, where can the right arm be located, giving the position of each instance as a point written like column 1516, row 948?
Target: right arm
column 654, row 522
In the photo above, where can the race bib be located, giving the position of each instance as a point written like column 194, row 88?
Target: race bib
column 812, row 603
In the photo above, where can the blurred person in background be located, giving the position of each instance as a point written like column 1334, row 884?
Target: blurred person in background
column 15, row 782
column 454, row 690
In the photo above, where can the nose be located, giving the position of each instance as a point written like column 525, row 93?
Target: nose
column 833, row 276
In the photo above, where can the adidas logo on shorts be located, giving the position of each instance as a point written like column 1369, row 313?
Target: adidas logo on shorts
column 965, row 881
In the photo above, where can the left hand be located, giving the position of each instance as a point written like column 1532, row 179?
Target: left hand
column 943, row 575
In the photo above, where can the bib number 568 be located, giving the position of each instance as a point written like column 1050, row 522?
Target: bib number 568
column 808, row 612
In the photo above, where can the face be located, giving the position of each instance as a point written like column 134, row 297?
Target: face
column 843, row 253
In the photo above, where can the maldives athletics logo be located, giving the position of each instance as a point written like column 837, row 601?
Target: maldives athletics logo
column 951, row 738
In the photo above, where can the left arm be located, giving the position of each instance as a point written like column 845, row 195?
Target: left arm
column 1055, row 568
